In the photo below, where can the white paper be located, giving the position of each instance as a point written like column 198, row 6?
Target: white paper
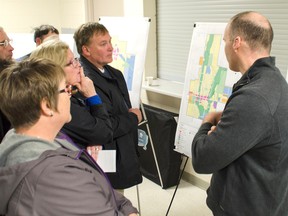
column 107, row 160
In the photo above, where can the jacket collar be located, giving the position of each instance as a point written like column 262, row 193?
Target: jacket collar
column 84, row 61
column 254, row 70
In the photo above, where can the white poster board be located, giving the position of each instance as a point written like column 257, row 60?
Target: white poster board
column 129, row 39
column 208, row 82
column 23, row 43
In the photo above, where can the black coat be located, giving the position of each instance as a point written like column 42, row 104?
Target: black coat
column 90, row 125
column 114, row 94
column 4, row 125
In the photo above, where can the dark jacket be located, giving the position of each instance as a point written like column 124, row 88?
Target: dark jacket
column 248, row 151
column 114, row 94
column 54, row 178
column 4, row 125
column 90, row 125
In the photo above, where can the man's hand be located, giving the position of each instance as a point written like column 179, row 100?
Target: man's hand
column 136, row 112
column 213, row 128
column 212, row 117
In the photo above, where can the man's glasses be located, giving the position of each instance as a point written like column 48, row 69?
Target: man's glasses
column 5, row 43
column 75, row 63
column 69, row 89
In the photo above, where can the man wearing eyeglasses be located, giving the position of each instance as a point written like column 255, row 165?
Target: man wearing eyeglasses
column 6, row 49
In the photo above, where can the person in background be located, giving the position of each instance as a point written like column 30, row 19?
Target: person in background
column 90, row 124
column 44, row 31
column 6, row 49
column 6, row 55
column 94, row 46
column 41, row 175
column 41, row 34
column 245, row 147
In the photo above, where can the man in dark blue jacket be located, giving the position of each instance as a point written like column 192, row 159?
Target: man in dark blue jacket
column 246, row 146
column 94, row 46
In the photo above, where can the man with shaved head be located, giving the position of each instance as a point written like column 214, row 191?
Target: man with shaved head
column 245, row 147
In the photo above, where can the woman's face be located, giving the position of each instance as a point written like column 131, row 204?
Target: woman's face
column 64, row 102
column 72, row 69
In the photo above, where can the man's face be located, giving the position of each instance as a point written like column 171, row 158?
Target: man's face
column 229, row 48
column 100, row 50
column 6, row 53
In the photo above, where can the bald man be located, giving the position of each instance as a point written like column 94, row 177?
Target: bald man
column 245, row 147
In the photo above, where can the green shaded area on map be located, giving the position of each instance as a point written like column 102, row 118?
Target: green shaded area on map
column 209, row 88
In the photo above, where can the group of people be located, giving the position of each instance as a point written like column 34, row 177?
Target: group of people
column 59, row 107
column 63, row 118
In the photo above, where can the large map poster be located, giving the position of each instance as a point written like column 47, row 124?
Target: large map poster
column 129, row 40
column 208, row 82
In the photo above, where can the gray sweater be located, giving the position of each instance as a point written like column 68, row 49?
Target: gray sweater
column 38, row 177
column 248, row 152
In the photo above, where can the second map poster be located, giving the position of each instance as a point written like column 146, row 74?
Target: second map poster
column 208, row 82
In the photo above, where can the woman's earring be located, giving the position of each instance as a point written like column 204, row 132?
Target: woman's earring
column 51, row 113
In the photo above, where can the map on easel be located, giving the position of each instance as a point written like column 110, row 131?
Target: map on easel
column 208, row 82
column 129, row 40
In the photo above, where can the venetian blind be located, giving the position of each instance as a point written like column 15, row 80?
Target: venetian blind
column 175, row 21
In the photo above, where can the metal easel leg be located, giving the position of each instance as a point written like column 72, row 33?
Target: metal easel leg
column 180, row 177
column 138, row 199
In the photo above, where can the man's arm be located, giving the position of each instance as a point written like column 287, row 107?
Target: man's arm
column 243, row 123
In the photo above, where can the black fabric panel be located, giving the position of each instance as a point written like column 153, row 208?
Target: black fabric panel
column 162, row 125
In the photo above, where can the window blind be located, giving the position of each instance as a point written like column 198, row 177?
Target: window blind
column 175, row 20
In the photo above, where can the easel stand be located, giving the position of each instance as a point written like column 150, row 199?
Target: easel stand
column 180, row 177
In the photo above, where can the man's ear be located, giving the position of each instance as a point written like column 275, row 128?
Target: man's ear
column 38, row 41
column 85, row 50
column 46, row 107
column 237, row 43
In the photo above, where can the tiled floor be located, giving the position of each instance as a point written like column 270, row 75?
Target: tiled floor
column 154, row 201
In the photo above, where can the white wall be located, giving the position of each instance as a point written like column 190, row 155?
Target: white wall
column 21, row 16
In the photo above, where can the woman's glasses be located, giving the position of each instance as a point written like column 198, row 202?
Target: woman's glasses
column 69, row 89
column 75, row 63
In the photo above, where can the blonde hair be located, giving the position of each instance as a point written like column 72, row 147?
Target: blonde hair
column 54, row 50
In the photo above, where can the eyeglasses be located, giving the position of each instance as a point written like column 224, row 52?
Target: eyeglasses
column 5, row 43
column 69, row 89
column 75, row 63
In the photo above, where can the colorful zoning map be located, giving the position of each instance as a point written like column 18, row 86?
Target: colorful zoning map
column 209, row 89
column 208, row 82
